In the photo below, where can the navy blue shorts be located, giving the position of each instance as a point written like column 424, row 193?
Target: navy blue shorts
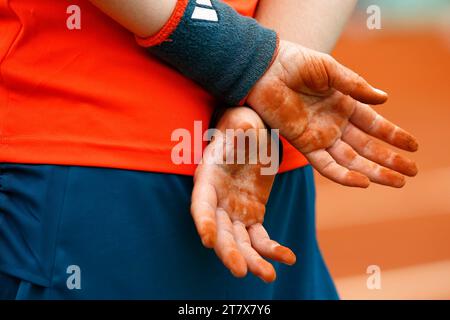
column 69, row 232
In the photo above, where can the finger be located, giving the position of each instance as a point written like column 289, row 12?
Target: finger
column 203, row 208
column 347, row 157
column 268, row 248
column 322, row 161
column 350, row 83
column 373, row 150
column 226, row 247
column 256, row 264
column 368, row 120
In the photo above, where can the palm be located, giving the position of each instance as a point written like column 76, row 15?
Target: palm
column 228, row 205
column 241, row 190
column 319, row 106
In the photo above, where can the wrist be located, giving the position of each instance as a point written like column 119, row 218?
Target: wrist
column 215, row 46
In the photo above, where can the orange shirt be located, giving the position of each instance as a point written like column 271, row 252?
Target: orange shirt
column 92, row 97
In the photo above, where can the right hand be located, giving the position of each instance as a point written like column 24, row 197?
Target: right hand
column 320, row 108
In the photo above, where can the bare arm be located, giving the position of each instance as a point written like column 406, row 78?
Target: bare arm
column 142, row 17
column 315, row 24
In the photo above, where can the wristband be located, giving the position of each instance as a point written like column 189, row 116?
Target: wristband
column 210, row 43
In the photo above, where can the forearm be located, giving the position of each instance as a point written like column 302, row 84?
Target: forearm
column 315, row 24
column 142, row 17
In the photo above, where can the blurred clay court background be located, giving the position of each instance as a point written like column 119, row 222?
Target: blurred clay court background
column 405, row 232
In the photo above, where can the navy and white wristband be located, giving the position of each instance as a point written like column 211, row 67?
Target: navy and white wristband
column 210, row 43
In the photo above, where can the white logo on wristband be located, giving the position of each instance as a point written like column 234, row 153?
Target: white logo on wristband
column 204, row 3
column 206, row 14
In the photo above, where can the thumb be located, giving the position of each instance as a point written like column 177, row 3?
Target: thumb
column 203, row 207
column 350, row 83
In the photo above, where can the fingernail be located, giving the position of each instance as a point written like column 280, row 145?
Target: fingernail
column 358, row 180
column 238, row 266
column 286, row 254
column 209, row 241
column 413, row 170
column 267, row 273
column 413, row 145
column 400, row 183
column 393, row 179
column 380, row 91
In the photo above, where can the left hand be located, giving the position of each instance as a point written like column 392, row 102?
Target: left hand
column 228, row 205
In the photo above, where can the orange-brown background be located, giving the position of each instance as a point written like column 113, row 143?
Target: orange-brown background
column 405, row 232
